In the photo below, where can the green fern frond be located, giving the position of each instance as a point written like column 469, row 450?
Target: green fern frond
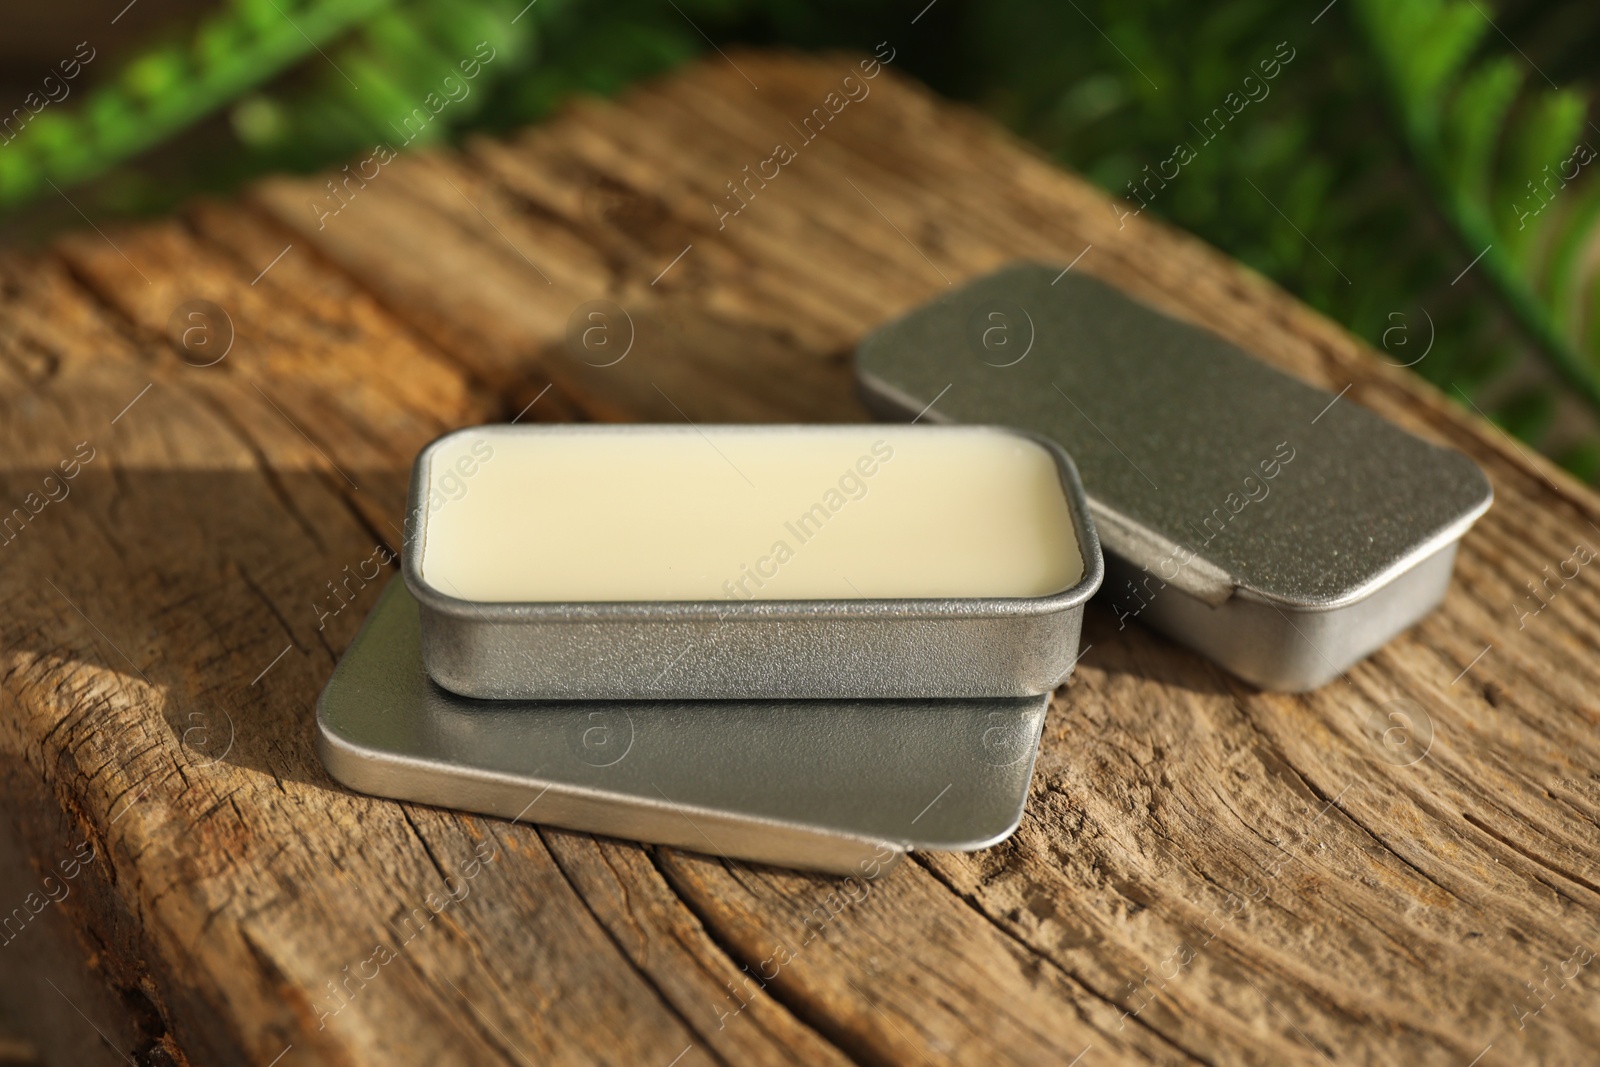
column 1550, row 128
column 305, row 82
column 1474, row 120
column 1569, row 258
column 1495, row 152
column 169, row 89
column 1444, row 38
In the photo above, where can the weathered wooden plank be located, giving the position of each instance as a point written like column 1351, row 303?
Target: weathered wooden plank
column 162, row 685
column 1206, row 873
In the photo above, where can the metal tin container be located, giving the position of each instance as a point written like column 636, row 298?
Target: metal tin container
column 1281, row 530
column 839, row 786
column 749, row 649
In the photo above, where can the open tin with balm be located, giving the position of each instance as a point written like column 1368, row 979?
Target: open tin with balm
column 814, row 646
column 1279, row 530
column 597, row 562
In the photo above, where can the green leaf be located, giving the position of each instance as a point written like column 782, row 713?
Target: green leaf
column 1476, row 116
column 1489, row 198
column 1573, row 228
column 1550, row 128
column 156, row 74
column 17, row 171
column 1438, row 53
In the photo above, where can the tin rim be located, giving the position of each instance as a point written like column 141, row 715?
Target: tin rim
column 433, row 599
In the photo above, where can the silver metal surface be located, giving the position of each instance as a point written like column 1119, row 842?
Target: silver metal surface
column 1285, row 579
column 841, row 786
column 757, row 649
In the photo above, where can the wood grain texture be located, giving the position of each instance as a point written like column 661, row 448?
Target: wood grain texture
column 1205, row 873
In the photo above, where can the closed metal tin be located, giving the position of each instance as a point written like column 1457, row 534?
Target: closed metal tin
column 839, row 786
column 1281, row 530
column 758, row 649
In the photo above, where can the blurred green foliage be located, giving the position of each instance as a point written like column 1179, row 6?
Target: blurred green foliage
column 1397, row 140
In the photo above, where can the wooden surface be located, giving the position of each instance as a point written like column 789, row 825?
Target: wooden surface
column 1205, row 873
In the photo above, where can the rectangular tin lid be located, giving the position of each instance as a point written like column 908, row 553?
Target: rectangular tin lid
column 834, row 785
column 1190, row 449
